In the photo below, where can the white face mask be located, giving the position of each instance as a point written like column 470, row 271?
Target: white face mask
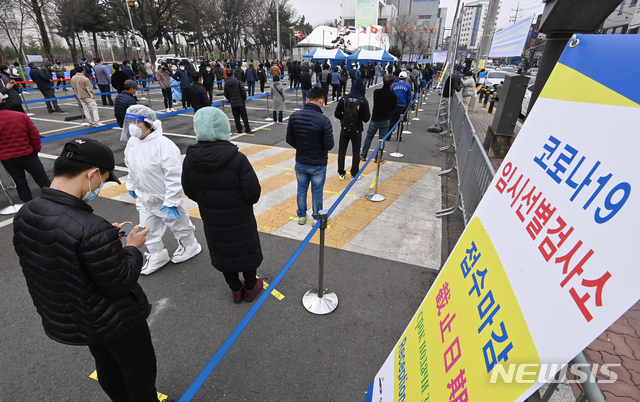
column 208, row 69
column 91, row 195
column 181, row 68
column 135, row 131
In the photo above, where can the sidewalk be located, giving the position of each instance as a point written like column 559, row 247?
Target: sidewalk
column 619, row 344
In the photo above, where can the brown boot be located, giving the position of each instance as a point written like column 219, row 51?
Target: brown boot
column 250, row 295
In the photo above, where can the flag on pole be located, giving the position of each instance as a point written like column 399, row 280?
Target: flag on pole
column 342, row 29
column 405, row 30
column 303, row 35
column 386, row 30
column 425, row 29
column 374, row 30
column 352, row 29
column 363, row 30
column 433, row 29
column 297, row 34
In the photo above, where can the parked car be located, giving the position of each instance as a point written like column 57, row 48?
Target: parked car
column 493, row 78
column 532, row 71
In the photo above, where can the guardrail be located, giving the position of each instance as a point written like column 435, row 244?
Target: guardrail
column 474, row 170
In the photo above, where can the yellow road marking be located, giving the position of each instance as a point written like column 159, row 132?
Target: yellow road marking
column 278, row 216
column 273, row 159
column 274, row 293
column 250, row 135
column 333, row 192
column 374, row 183
column 356, row 217
column 309, row 221
column 114, row 191
column 161, row 397
column 254, row 149
column 279, row 167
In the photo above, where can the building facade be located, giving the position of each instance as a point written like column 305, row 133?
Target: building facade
column 473, row 22
column 624, row 19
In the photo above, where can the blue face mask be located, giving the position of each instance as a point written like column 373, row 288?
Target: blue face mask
column 91, row 195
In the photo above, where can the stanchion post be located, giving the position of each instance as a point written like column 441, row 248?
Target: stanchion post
column 396, row 154
column 296, row 91
column 25, row 105
column 404, row 115
column 375, row 197
column 320, row 300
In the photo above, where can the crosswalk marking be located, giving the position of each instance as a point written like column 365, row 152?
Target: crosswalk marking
column 355, row 221
column 347, row 224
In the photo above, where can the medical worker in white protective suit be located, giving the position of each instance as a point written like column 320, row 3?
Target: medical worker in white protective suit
column 155, row 170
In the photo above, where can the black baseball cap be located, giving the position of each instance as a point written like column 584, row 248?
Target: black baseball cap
column 93, row 153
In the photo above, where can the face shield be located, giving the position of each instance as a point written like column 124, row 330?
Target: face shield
column 134, row 126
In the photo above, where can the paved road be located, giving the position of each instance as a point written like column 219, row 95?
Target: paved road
column 381, row 271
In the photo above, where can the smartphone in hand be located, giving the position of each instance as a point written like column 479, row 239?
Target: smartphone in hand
column 128, row 227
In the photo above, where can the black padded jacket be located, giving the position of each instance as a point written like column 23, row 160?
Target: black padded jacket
column 83, row 282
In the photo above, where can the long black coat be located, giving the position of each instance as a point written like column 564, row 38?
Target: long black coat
column 223, row 183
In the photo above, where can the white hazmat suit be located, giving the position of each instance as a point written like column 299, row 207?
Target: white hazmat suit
column 155, row 170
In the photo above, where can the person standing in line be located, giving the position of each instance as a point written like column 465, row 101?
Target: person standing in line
column 9, row 87
column 402, row 90
column 275, row 70
column 319, row 74
column 127, row 70
column 378, row 72
column 262, row 76
column 185, row 83
column 44, row 86
column 19, row 146
column 149, row 67
column 305, row 85
column 384, row 107
column 311, row 134
column 163, row 76
column 104, row 81
column 84, row 92
column 198, row 93
column 155, row 169
column 142, row 72
column 235, row 93
column 124, row 100
column 468, row 85
column 219, row 75
column 208, row 77
column 239, row 74
column 336, row 86
column 252, row 77
column 58, row 69
column 325, row 82
column 352, row 111
column 18, row 74
column 277, row 94
column 45, row 68
column 223, row 183
column 83, row 282
column 344, row 78
column 118, row 78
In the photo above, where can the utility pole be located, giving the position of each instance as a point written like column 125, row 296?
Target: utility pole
column 517, row 10
column 487, row 33
column 278, row 29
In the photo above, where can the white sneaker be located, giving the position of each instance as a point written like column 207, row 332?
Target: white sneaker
column 167, row 110
column 186, row 251
column 155, row 262
column 341, row 177
column 99, row 124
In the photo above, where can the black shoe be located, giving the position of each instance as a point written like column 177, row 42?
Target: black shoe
column 249, row 132
column 50, row 111
column 59, row 111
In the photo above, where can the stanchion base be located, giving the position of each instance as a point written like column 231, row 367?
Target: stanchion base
column 31, row 114
column 11, row 209
column 375, row 197
column 415, row 119
column 420, row 110
column 268, row 118
column 320, row 305
column 296, row 109
column 436, row 128
column 396, row 155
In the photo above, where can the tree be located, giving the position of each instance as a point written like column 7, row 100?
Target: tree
column 13, row 24
column 67, row 20
column 37, row 7
column 395, row 50
column 404, row 28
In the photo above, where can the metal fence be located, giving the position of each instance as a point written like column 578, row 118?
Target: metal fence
column 471, row 162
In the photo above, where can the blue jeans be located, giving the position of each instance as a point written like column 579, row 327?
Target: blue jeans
column 252, row 87
column 305, row 95
column 279, row 114
column 316, row 175
column 374, row 126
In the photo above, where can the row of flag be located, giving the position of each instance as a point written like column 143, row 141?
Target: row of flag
column 374, row 30
column 299, row 34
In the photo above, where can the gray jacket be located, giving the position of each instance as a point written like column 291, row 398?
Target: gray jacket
column 102, row 74
column 468, row 87
column 277, row 93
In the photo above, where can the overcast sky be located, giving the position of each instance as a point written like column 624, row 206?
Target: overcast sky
column 317, row 12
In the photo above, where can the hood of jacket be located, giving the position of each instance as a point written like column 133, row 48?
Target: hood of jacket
column 209, row 156
column 357, row 89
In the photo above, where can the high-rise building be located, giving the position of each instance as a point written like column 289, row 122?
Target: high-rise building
column 474, row 17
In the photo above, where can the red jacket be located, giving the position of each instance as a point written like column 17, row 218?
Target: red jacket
column 18, row 135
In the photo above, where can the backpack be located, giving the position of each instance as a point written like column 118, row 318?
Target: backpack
column 351, row 117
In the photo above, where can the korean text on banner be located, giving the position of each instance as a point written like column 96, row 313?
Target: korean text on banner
column 439, row 56
column 510, row 41
column 543, row 267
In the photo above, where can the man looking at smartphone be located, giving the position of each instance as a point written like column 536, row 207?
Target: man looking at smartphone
column 83, row 282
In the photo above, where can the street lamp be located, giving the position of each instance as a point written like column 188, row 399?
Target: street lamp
column 131, row 3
